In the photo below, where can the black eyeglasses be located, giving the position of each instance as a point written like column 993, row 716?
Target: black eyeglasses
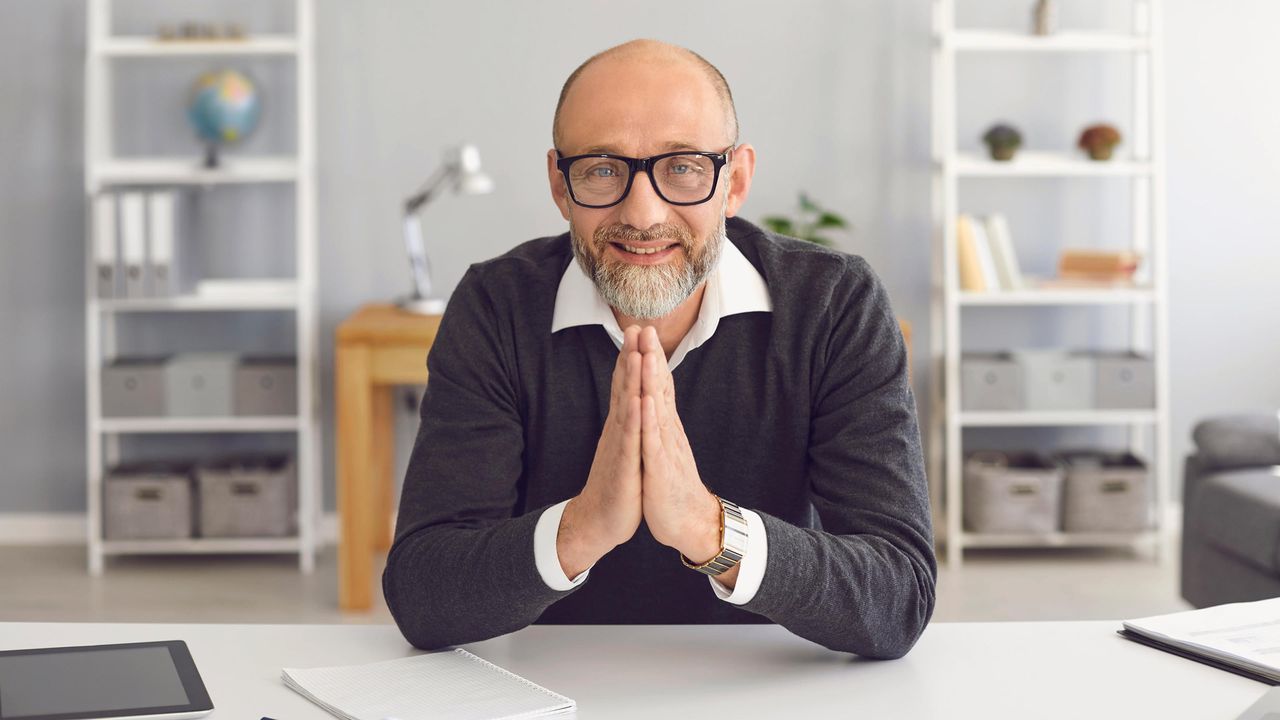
column 602, row 180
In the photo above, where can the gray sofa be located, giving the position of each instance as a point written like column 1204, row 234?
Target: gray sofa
column 1231, row 511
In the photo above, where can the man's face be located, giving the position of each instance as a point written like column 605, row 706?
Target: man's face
column 639, row 108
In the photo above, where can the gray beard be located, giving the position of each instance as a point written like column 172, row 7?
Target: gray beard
column 647, row 292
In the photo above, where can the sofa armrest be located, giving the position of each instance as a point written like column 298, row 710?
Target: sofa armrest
column 1237, row 441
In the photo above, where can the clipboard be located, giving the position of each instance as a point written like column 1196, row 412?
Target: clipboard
column 1212, row 662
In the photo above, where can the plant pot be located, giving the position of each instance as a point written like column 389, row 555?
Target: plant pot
column 1100, row 153
column 1003, row 153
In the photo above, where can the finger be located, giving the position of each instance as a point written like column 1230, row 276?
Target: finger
column 650, row 385
column 631, row 430
column 631, row 387
column 618, row 384
column 650, row 438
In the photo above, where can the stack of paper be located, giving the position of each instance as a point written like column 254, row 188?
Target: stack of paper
column 451, row 685
column 1243, row 638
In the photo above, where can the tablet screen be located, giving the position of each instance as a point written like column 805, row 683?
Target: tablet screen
column 90, row 682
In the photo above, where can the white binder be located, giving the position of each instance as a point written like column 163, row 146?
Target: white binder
column 133, row 243
column 160, row 210
column 104, row 244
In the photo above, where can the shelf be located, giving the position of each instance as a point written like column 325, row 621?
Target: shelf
column 201, row 546
column 1033, row 163
column 191, row 171
column 195, row 303
column 143, row 46
column 1056, row 296
column 129, row 425
column 1056, row 539
column 1005, row 41
column 1055, row 418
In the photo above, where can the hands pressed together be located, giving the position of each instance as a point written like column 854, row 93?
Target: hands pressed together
column 643, row 470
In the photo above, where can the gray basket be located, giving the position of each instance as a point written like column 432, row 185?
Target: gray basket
column 1124, row 381
column 990, row 381
column 148, row 501
column 267, row 386
column 248, row 496
column 1011, row 493
column 134, row 387
column 1105, row 492
column 199, row 384
column 1056, row 380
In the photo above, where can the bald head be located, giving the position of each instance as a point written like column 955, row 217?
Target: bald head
column 650, row 53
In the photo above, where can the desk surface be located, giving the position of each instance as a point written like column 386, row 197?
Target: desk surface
column 958, row 670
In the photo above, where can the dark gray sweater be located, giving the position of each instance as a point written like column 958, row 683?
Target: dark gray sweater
column 804, row 415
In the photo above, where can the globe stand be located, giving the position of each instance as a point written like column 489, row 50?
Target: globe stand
column 211, row 155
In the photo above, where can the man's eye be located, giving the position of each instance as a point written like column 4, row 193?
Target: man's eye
column 601, row 171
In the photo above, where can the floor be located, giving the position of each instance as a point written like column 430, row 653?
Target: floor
column 51, row 584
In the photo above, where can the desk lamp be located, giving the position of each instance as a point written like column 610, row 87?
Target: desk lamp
column 461, row 174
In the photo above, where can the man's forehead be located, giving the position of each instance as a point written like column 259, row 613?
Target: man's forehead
column 621, row 148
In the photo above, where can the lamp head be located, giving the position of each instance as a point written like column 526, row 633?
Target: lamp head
column 470, row 179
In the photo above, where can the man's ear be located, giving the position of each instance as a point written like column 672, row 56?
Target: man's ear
column 559, row 193
column 741, row 169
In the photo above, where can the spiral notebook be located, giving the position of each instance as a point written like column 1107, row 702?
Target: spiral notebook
column 441, row 685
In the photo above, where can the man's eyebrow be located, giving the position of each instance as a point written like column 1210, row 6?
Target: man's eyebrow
column 667, row 147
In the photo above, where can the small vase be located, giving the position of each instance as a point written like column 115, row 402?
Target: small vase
column 1003, row 153
column 1045, row 17
column 1100, row 153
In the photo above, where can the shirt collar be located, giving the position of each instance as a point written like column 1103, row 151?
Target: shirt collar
column 733, row 287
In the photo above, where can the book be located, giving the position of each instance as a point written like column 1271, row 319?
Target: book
column 104, row 243
column 1082, row 264
column 1005, row 256
column 160, row 219
column 971, row 278
column 986, row 258
column 133, row 243
column 449, row 685
column 1243, row 638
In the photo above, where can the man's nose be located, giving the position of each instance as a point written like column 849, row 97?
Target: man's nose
column 642, row 208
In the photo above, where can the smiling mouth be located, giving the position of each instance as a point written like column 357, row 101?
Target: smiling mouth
column 643, row 250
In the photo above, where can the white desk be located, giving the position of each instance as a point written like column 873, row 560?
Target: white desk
column 958, row 670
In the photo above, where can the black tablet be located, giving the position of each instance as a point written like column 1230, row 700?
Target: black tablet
column 130, row 680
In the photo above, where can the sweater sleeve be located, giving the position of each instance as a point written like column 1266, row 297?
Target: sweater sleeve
column 864, row 583
column 462, row 566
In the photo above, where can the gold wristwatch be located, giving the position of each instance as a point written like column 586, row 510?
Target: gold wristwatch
column 733, row 541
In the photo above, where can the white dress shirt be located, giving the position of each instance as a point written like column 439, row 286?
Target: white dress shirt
column 734, row 286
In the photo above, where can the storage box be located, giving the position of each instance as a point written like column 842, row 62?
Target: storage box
column 134, row 387
column 1011, row 493
column 1124, row 381
column 1056, row 380
column 248, row 496
column 990, row 381
column 199, row 384
column 267, row 386
column 1104, row 492
column 148, row 501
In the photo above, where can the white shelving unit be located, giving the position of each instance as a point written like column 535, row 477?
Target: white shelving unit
column 105, row 171
column 1148, row 430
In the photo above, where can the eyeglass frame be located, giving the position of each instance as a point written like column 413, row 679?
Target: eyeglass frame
column 638, row 165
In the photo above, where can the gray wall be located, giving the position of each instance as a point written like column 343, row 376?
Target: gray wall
column 835, row 96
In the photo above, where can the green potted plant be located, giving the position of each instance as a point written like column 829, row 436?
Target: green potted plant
column 1099, row 141
column 808, row 225
column 1003, row 141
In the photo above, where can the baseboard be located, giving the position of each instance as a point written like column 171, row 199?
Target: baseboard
column 71, row 529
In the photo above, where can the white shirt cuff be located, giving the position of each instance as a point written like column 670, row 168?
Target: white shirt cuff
column 751, row 567
column 545, row 555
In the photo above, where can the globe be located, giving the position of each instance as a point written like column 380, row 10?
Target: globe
column 224, row 108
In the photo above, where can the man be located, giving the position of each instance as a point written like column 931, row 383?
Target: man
column 753, row 422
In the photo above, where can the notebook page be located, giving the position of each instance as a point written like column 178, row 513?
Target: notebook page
column 453, row 685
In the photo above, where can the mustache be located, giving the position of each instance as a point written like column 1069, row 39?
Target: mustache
column 629, row 234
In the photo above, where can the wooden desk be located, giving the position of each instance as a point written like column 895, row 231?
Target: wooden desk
column 378, row 347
